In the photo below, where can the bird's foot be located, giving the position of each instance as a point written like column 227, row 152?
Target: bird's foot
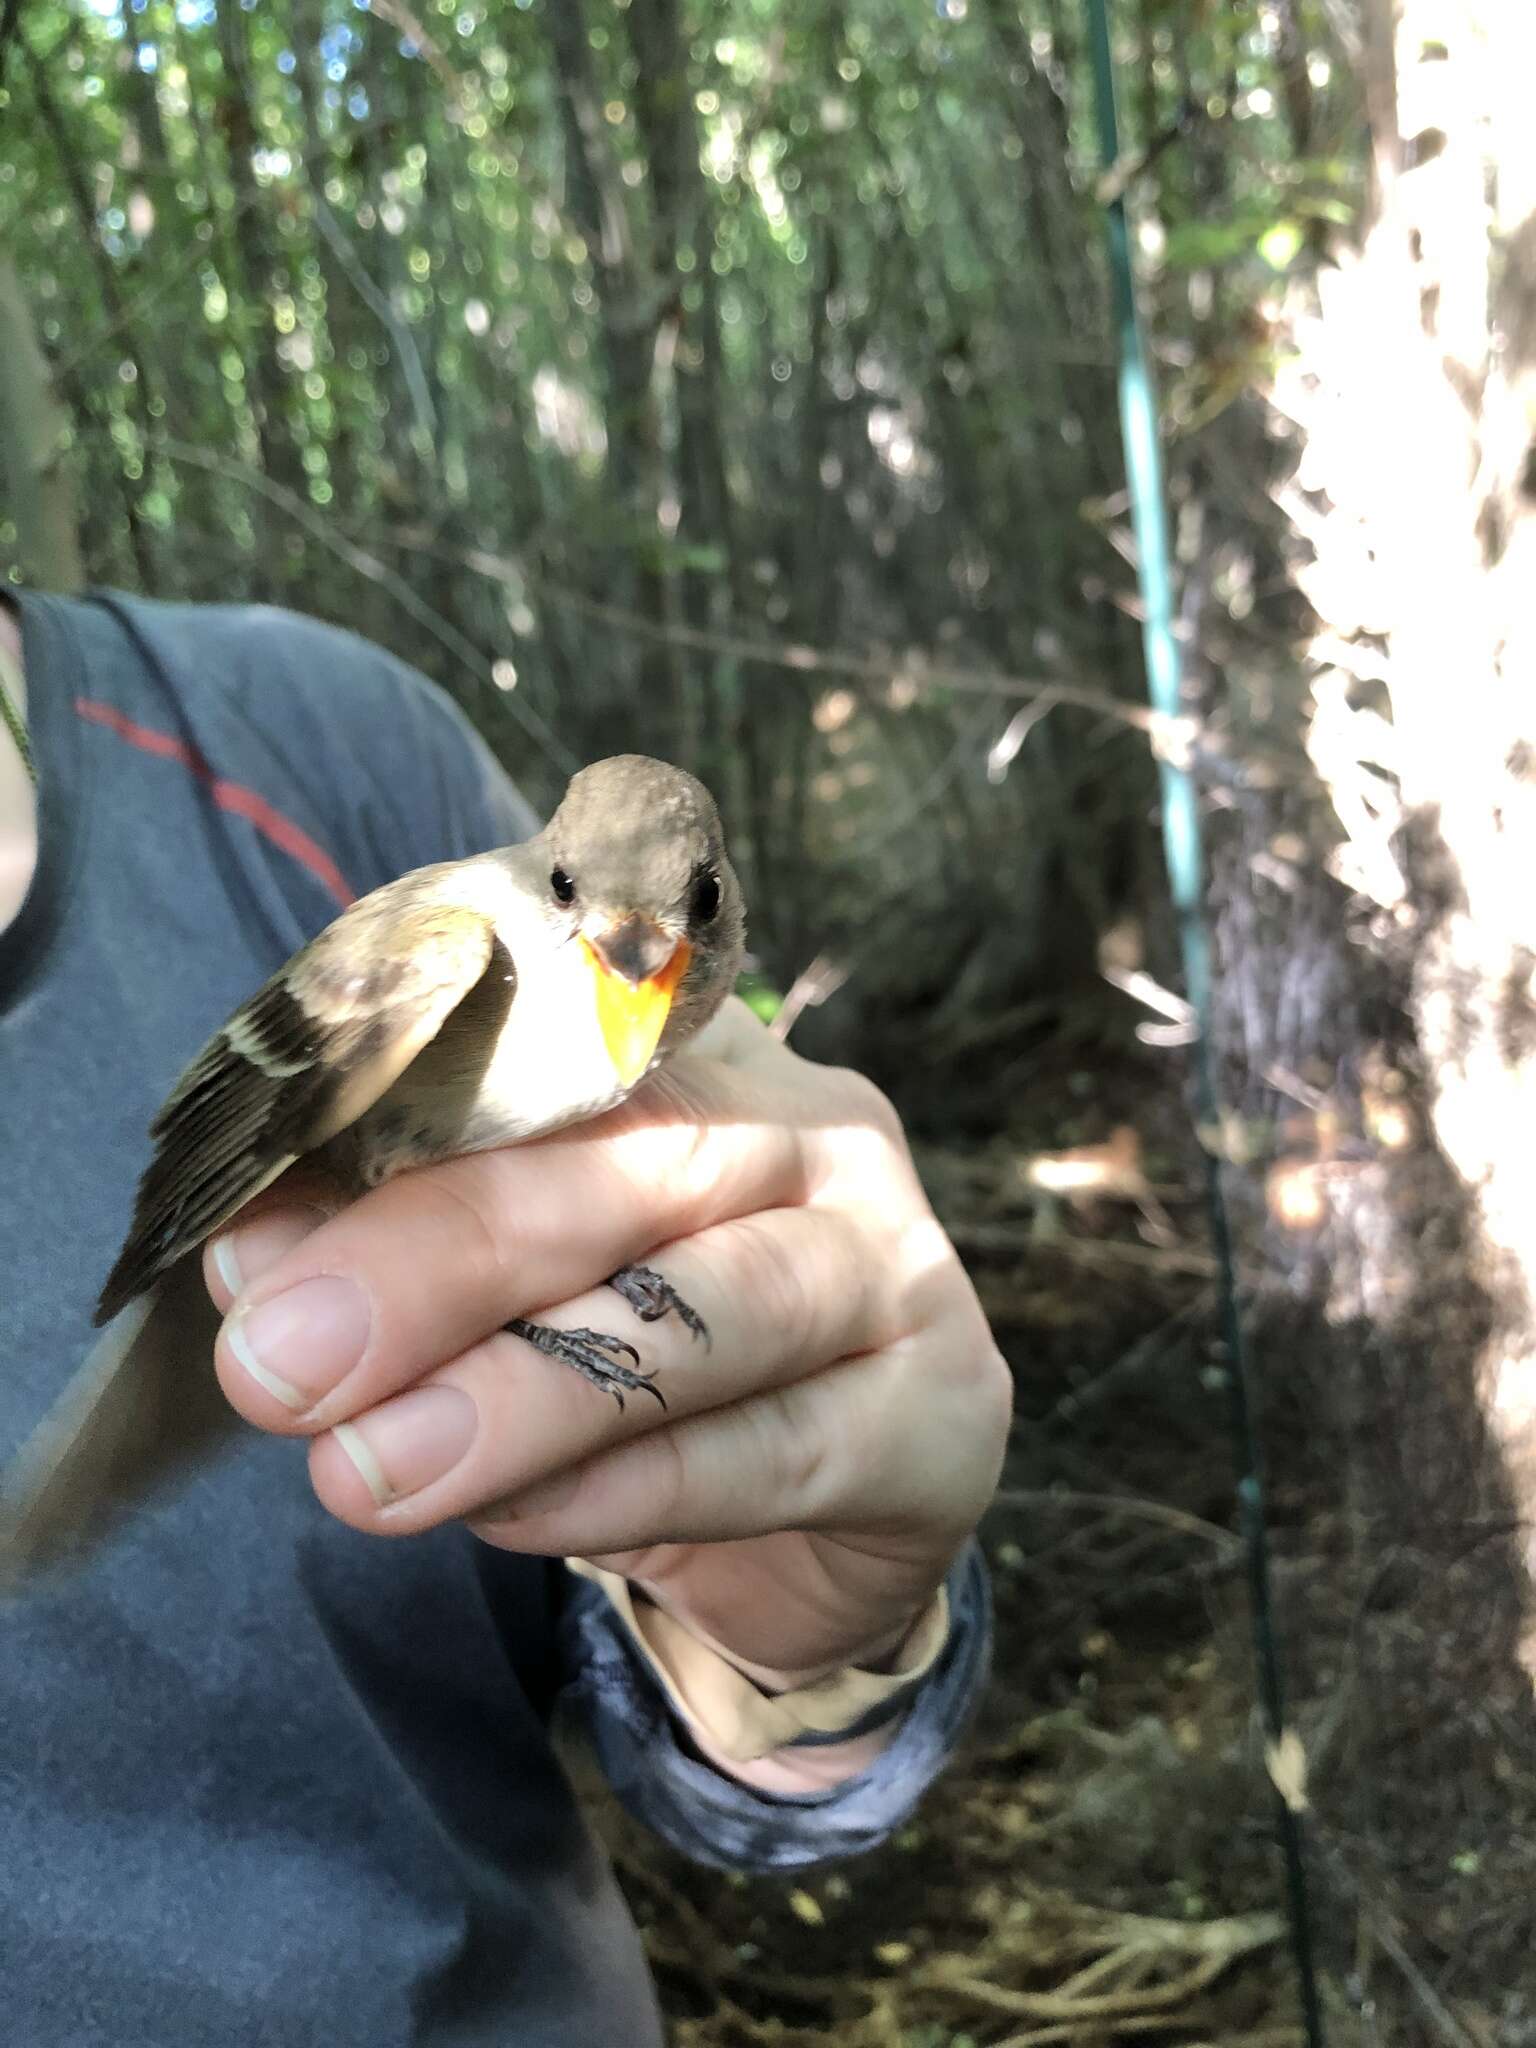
column 651, row 1297
column 592, row 1354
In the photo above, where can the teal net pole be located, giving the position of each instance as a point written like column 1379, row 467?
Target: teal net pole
column 1181, row 843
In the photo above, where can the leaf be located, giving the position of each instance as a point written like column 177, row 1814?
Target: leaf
column 1286, row 1762
column 760, row 997
column 1201, row 244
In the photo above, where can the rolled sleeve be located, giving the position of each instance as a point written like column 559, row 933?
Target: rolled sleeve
column 646, row 1756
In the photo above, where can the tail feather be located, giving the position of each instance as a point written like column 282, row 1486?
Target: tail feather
column 143, row 1403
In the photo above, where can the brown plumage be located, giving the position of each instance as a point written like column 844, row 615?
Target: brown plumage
column 313, row 1048
column 471, row 1004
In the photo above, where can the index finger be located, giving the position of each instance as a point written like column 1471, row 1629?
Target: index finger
column 447, row 1254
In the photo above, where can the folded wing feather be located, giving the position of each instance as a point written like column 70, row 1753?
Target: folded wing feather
column 315, row 1046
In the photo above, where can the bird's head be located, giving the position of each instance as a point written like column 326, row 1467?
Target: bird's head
column 637, row 871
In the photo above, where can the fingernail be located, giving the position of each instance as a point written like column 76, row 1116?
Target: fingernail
column 300, row 1344
column 410, row 1441
column 246, row 1252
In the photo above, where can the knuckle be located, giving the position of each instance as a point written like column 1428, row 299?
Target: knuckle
column 860, row 1141
column 872, row 1105
column 669, row 1483
column 776, row 1285
column 683, row 1152
column 926, row 1289
column 794, row 1451
column 986, row 1376
column 482, row 1228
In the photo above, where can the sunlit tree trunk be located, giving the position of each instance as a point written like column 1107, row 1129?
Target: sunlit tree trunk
column 1415, row 389
column 1376, row 937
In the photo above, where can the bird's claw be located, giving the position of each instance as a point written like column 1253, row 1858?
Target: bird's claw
column 652, row 1297
column 596, row 1355
column 593, row 1354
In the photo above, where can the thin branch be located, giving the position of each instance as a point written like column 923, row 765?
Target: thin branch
column 933, row 786
column 378, row 304
column 442, row 630
column 911, row 668
column 1103, row 1252
column 1148, row 1351
column 1130, row 1506
column 170, row 271
column 1447, row 2026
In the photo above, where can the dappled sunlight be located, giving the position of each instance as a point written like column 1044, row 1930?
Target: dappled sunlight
column 1423, row 548
column 738, row 385
column 566, row 416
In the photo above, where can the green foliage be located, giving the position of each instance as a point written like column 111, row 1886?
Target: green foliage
column 760, row 996
column 603, row 359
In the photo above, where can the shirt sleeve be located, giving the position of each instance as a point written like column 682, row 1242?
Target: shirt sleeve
column 646, row 1756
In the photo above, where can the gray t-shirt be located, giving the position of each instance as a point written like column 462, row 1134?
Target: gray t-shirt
column 264, row 1779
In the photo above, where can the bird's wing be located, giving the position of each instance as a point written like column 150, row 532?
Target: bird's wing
column 143, row 1404
column 312, row 1049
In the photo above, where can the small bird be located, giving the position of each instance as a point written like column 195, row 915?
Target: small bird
column 471, row 1004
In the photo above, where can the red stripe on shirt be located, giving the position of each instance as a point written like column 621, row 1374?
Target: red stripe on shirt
column 232, row 797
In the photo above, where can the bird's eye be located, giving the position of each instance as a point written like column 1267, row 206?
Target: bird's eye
column 706, row 899
column 563, row 888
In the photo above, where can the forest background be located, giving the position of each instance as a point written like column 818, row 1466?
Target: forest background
column 738, row 382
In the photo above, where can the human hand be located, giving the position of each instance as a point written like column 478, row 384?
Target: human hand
column 815, row 1470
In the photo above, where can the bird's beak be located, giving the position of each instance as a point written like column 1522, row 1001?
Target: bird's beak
column 636, row 967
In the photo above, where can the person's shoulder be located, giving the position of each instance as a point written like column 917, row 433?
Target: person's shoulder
column 262, row 661
column 319, row 708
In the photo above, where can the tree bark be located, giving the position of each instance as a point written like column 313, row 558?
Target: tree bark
column 258, row 270
column 124, row 327
column 632, row 301
column 34, row 479
column 1383, row 1023
column 1425, row 727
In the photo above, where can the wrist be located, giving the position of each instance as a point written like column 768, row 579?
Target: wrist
column 740, row 1717
column 878, row 1656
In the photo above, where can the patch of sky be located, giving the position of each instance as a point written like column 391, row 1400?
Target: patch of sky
column 338, row 42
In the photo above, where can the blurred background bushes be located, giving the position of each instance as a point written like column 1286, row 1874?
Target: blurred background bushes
column 734, row 382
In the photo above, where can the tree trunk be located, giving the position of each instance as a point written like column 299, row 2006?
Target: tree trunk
column 259, row 271
column 1383, row 1024
column 632, row 302
column 34, row 483
column 142, row 398
column 1425, row 565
